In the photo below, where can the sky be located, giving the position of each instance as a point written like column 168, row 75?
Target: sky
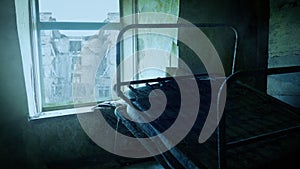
column 79, row 10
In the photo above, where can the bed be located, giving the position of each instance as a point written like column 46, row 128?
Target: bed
column 253, row 132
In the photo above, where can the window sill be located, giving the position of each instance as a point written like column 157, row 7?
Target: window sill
column 64, row 112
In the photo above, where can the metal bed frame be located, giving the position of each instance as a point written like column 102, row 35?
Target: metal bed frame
column 222, row 145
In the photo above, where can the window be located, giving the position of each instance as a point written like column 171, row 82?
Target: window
column 62, row 34
column 61, row 43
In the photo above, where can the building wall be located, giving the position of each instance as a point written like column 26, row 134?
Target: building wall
column 33, row 144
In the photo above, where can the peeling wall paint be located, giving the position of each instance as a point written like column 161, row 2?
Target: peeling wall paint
column 284, row 38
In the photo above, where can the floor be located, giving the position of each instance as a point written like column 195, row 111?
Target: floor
column 145, row 165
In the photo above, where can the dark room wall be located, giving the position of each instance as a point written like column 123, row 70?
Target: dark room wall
column 35, row 144
column 13, row 100
column 250, row 18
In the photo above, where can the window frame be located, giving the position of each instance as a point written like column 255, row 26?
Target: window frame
column 36, row 110
column 30, row 27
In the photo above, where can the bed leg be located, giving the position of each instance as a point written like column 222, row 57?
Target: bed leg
column 221, row 143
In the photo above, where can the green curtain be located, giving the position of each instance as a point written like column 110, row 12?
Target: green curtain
column 163, row 41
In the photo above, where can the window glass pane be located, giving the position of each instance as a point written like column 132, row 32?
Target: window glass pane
column 77, row 60
column 80, row 11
